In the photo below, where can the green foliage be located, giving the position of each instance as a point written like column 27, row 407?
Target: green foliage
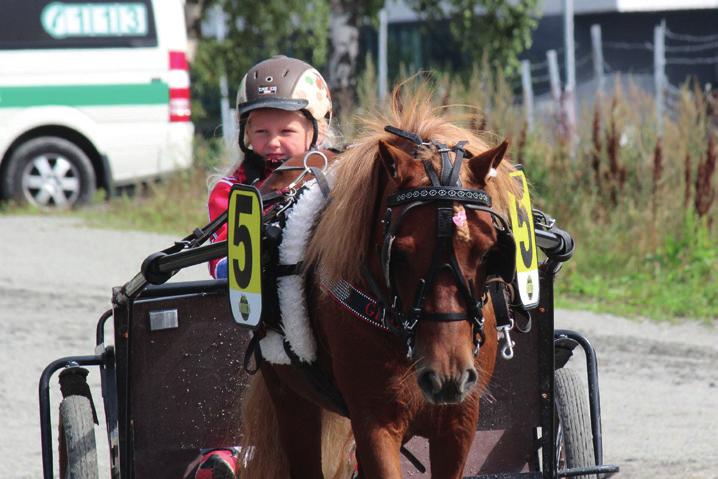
column 501, row 30
column 679, row 279
column 256, row 30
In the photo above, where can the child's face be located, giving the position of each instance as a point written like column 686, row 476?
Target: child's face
column 277, row 134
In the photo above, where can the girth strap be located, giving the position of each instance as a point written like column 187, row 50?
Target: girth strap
column 319, row 380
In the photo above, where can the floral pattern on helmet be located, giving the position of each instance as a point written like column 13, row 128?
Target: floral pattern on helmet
column 312, row 87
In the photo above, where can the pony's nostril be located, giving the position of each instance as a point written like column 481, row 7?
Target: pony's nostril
column 470, row 376
column 429, row 382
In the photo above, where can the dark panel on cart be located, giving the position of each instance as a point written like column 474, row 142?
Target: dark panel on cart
column 186, row 367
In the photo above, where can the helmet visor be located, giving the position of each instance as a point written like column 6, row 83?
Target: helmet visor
column 287, row 104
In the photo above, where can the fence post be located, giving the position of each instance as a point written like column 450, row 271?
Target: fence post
column 528, row 93
column 553, row 75
column 228, row 123
column 659, row 72
column 570, row 58
column 597, row 49
column 383, row 40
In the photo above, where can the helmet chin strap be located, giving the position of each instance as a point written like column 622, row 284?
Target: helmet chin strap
column 312, row 146
column 315, row 128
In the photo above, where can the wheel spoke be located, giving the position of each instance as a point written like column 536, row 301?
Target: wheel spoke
column 43, row 196
column 43, row 165
column 62, row 166
column 70, row 184
column 59, row 197
column 35, row 182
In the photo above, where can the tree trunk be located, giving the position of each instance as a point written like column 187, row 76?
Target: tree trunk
column 344, row 49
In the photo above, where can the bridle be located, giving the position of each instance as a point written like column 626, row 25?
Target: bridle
column 445, row 189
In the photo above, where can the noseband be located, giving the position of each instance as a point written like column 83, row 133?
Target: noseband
column 445, row 189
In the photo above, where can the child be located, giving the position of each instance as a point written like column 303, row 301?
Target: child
column 284, row 109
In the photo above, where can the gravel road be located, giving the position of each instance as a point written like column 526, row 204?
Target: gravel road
column 659, row 381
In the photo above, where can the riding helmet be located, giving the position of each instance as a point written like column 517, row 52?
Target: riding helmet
column 287, row 84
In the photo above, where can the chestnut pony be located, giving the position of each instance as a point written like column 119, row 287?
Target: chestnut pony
column 426, row 263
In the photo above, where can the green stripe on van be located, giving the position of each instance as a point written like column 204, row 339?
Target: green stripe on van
column 152, row 93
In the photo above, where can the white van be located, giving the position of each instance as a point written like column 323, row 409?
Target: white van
column 93, row 94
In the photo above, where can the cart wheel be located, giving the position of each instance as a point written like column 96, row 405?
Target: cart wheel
column 574, row 440
column 78, row 453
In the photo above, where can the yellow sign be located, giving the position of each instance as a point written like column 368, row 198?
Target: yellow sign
column 244, row 255
column 522, row 225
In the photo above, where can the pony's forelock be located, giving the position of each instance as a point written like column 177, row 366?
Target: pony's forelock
column 341, row 240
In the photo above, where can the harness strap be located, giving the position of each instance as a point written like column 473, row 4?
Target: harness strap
column 407, row 135
column 446, row 165
column 319, row 380
column 321, row 180
column 437, row 193
column 431, row 173
column 288, row 269
column 458, row 150
column 360, row 304
column 369, row 278
column 497, row 290
column 253, row 349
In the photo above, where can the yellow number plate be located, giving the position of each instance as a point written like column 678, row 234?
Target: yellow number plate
column 244, row 266
column 522, row 224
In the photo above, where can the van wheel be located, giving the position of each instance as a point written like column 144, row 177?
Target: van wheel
column 50, row 173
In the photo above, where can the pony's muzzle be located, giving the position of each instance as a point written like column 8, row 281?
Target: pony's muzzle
column 440, row 389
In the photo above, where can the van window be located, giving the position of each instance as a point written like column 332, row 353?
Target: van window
column 26, row 24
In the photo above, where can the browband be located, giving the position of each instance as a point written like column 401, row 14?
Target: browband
column 432, row 193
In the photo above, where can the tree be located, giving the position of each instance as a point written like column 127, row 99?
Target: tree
column 496, row 29
column 346, row 18
column 256, row 29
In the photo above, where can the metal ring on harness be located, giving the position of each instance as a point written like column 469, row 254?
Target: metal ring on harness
column 307, row 168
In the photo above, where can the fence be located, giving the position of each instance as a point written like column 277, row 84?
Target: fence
column 669, row 48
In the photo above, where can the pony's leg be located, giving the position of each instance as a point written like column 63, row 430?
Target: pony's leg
column 377, row 451
column 449, row 445
column 300, row 427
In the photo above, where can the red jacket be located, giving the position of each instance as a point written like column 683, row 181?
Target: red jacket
column 219, row 201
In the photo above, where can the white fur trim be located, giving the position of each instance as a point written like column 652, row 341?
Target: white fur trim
column 290, row 289
column 272, row 347
column 295, row 323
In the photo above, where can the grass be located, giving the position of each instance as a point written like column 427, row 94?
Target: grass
column 174, row 206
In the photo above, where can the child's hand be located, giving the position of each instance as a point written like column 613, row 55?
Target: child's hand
column 221, row 269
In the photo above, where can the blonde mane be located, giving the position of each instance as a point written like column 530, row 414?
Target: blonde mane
column 342, row 236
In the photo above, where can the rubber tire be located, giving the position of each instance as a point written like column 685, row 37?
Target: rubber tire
column 575, row 420
column 26, row 152
column 77, row 448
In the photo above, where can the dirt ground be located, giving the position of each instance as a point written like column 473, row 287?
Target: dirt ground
column 659, row 381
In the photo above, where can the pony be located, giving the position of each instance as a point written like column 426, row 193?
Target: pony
column 423, row 363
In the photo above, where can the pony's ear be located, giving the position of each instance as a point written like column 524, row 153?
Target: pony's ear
column 481, row 165
column 391, row 156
